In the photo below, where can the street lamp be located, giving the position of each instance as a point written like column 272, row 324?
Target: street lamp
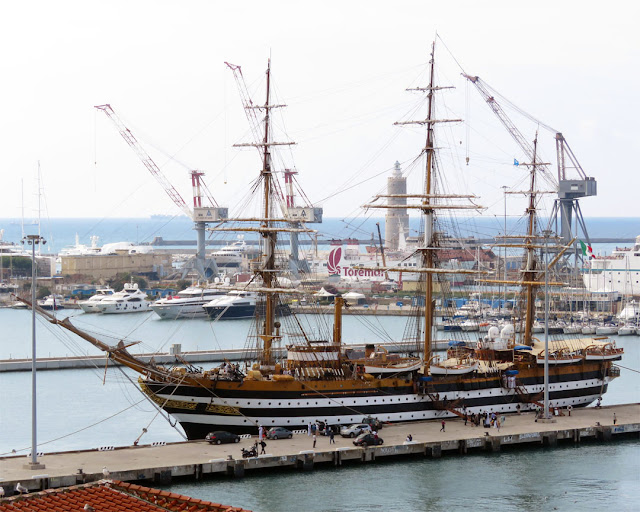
column 33, row 240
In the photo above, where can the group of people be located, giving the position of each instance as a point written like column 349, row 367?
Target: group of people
column 228, row 371
column 488, row 420
column 321, row 428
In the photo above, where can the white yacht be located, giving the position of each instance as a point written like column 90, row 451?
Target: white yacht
column 231, row 255
column 91, row 304
column 187, row 303
column 52, row 302
column 129, row 300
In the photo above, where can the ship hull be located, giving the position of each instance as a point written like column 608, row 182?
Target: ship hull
column 181, row 310
column 242, row 406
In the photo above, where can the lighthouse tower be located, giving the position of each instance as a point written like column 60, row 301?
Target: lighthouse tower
column 396, row 226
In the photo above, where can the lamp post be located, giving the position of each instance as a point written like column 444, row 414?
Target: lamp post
column 546, row 417
column 33, row 240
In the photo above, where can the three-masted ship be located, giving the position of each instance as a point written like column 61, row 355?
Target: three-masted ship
column 319, row 379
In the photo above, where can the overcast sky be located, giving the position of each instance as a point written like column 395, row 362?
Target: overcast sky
column 342, row 68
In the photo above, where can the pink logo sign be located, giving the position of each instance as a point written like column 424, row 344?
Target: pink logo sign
column 333, row 264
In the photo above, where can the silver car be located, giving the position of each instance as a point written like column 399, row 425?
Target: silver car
column 354, row 430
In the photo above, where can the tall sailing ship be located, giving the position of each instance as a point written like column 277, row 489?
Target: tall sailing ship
column 319, row 378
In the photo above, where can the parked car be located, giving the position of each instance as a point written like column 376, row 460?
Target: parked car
column 354, row 430
column 367, row 439
column 279, row 433
column 222, row 436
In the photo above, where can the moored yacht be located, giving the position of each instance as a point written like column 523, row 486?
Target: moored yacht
column 186, row 304
column 91, row 304
column 130, row 300
column 235, row 304
column 231, row 255
column 52, row 302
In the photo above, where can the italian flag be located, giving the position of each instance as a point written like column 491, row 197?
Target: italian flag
column 587, row 251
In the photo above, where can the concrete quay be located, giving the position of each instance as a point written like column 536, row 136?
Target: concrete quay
column 159, row 464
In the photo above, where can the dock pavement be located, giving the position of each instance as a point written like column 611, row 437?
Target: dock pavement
column 161, row 462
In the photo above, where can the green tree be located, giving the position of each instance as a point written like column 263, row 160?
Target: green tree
column 42, row 292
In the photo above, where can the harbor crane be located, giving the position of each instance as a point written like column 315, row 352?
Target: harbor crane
column 569, row 190
column 201, row 215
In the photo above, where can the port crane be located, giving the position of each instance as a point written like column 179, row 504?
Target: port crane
column 201, row 215
column 569, row 190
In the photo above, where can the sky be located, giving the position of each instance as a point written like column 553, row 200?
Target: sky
column 340, row 67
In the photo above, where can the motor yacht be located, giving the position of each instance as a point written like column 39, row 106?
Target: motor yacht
column 235, row 304
column 130, row 300
column 91, row 304
column 51, row 302
column 186, row 304
column 231, row 255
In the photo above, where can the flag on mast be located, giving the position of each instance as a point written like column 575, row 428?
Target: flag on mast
column 587, row 251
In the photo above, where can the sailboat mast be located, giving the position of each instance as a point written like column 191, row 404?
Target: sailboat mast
column 427, row 253
column 530, row 269
column 269, row 236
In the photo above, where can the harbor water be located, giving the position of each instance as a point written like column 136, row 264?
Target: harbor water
column 90, row 408
column 61, row 233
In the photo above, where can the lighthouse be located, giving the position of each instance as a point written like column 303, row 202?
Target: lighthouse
column 396, row 225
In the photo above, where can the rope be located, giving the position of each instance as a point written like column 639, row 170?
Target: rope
column 77, row 431
column 630, row 369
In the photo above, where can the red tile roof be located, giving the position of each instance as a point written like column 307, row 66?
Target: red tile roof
column 109, row 496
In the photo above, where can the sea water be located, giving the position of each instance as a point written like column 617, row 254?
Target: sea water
column 61, row 233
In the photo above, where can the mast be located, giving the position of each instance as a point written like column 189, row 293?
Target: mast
column 429, row 202
column 530, row 266
column 427, row 252
column 268, row 235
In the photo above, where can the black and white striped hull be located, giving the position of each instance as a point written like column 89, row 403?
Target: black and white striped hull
column 242, row 414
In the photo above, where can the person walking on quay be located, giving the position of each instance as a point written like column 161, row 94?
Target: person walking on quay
column 314, row 440
column 331, row 437
column 260, row 432
column 615, row 420
column 442, row 428
column 263, row 446
column 309, row 430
